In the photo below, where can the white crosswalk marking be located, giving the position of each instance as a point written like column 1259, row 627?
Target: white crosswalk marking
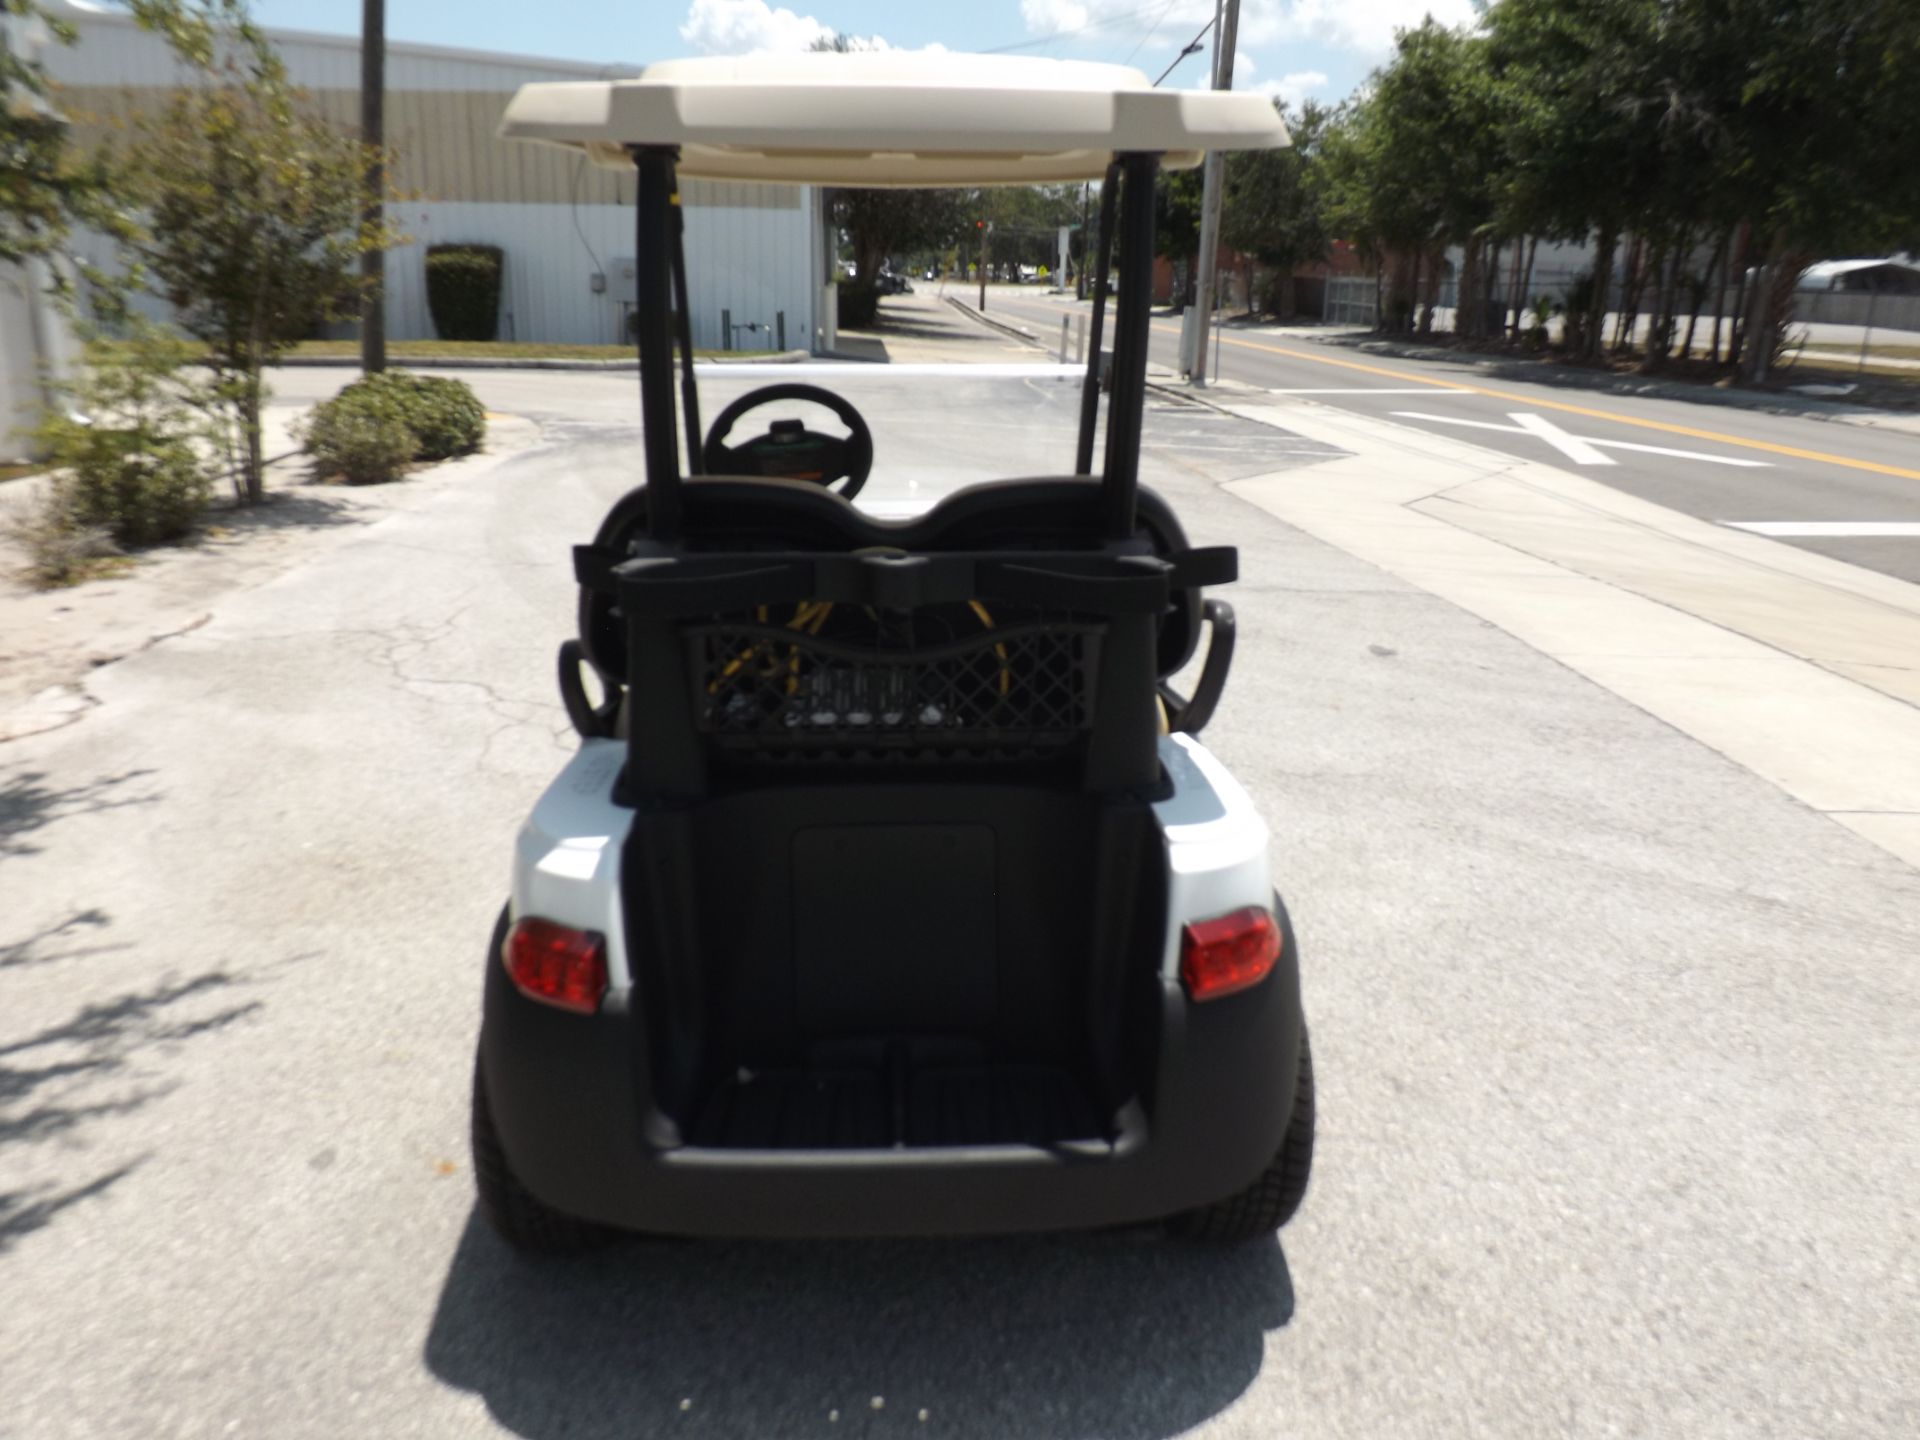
column 1580, row 449
column 1571, row 446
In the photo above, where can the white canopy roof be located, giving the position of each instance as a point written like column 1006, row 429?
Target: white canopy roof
column 885, row 118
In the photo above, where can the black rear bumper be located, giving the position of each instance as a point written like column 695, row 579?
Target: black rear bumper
column 571, row 1100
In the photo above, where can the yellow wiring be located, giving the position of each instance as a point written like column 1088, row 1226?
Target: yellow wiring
column 811, row 616
column 1006, row 678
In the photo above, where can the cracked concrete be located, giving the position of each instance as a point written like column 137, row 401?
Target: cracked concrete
column 52, row 641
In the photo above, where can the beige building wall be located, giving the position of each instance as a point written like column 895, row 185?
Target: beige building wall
column 754, row 251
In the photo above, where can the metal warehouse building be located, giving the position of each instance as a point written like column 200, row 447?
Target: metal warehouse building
column 566, row 226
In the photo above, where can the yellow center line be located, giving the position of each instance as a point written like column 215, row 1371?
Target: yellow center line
column 1534, row 402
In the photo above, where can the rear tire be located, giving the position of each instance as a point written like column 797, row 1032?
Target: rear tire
column 516, row 1214
column 1269, row 1202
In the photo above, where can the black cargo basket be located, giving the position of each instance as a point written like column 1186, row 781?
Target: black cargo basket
column 1061, row 668
column 1020, row 692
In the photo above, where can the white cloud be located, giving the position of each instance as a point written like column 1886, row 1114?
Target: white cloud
column 1365, row 26
column 1292, row 87
column 753, row 27
column 747, row 27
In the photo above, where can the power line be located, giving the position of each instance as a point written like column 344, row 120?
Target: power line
column 1165, row 10
column 1051, row 36
column 1192, row 47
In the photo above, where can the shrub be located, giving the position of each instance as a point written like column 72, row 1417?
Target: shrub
column 58, row 552
column 140, row 487
column 463, row 290
column 373, row 427
column 123, row 446
column 361, row 435
column 859, row 304
column 445, row 415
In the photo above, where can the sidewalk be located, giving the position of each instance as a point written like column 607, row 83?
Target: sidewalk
column 1798, row 667
column 51, row 639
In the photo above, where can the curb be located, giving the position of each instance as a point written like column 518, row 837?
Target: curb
column 1013, row 331
column 1568, row 378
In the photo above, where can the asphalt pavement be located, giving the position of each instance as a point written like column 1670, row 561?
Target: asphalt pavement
column 1615, row 1037
column 1848, row 491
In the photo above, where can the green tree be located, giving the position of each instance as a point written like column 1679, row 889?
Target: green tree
column 43, row 184
column 1178, row 198
column 246, row 209
column 1274, row 205
column 880, row 223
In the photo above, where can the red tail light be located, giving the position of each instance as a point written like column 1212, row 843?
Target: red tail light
column 1228, row 953
column 554, row 964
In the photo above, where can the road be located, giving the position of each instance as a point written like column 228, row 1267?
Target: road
column 1615, row 1039
column 1851, row 492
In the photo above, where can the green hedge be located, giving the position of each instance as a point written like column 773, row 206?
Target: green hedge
column 377, row 425
column 463, row 290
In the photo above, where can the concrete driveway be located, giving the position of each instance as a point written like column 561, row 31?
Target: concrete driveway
column 1616, row 1039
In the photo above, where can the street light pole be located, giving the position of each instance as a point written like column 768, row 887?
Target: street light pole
column 1227, row 23
column 373, row 134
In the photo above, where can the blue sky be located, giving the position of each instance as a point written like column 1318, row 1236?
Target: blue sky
column 1322, row 48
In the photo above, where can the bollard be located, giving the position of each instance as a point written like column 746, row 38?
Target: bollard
column 780, row 330
column 1066, row 323
column 726, row 329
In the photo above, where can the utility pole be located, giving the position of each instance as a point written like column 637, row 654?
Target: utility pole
column 1086, row 243
column 984, row 227
column 1226, row 24
column 373, row 133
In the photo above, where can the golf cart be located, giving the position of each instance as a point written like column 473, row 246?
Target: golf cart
column 890, row 891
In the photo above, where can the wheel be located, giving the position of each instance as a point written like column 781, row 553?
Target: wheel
column 515, row 1214
column 1269, row 1202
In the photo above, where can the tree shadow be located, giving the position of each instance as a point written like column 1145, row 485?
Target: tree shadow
column 308, row 506
column 1673, row 383
column 28, row 803
column 52, row 942
column 33, row 1208
column 64, row 1075
column 1119, row 1335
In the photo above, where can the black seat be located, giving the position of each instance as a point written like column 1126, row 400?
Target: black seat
column 736, row 514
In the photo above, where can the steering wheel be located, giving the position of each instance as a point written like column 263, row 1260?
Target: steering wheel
column 789, row 450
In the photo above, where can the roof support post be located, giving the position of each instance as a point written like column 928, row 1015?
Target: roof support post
column 1127, row 401
column 654, row 237
column 1090, row 387
column 683, row 334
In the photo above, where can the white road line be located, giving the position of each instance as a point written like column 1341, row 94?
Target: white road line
column 1830, row 529
column 1582, row 450
column 1375, row 390
column 1684, row 454
column 1571, row 446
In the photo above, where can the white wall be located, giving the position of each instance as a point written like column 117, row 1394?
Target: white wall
column 753, row 261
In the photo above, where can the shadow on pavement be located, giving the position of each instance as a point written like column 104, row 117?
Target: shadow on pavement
column 309, row 507
column 1126, row 1336
column 24, row 1211
column 96, row 1065
column 28, row 803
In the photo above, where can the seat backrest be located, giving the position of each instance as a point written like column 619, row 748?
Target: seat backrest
column 724, row 513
